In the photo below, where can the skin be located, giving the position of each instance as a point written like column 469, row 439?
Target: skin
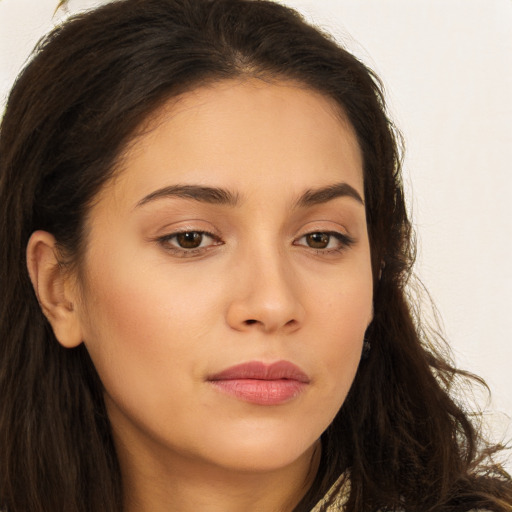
column 158, row 320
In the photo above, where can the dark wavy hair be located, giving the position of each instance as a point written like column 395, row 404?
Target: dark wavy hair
column 400, row 437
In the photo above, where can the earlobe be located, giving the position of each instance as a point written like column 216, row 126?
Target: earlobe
column 53, row 288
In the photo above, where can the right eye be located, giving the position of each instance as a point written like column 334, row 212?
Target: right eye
column 189, row 239
column 189, row 243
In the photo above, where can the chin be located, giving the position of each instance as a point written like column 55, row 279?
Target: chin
column 266, row 450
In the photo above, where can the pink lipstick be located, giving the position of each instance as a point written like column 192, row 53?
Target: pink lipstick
column 260, row 383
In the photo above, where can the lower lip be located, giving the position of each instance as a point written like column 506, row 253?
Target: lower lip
column 261, row 392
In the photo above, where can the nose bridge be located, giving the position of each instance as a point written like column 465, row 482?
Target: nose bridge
column 272, row 276
column 266, row 294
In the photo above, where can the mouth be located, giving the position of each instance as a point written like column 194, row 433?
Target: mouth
column 260, row 383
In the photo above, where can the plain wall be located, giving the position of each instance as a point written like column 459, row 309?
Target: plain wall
column 447, row 68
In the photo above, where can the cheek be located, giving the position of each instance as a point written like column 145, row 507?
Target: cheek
column 132, row 298
column 345, row 334
column 342, row 319
column 141, row 328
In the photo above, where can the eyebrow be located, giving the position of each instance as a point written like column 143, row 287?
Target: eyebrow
column 221, row 196
column 325, row 194
column 212, row 195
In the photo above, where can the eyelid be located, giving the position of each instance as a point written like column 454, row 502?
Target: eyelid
column 183, row 252
column 345, row 241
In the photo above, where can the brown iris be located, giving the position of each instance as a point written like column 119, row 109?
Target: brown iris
column 318, row 240
column 189, row 240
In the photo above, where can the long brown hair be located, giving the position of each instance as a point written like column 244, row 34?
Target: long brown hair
column 400, row 437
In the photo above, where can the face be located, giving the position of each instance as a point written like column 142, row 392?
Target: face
column 226, row 286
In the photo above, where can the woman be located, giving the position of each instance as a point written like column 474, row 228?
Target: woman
column 207, row 197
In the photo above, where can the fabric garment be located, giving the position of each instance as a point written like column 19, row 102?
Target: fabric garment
column 339, row 501
column 338, row 504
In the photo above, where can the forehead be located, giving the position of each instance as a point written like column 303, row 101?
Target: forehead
column 243, row 133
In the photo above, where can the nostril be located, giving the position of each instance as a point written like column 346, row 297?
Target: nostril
column 250, row 322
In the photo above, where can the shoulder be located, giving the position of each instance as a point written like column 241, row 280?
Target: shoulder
column 338, row 506
column 341, row 490
column 337, row 496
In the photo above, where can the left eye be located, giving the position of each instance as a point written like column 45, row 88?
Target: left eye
column 322, row 240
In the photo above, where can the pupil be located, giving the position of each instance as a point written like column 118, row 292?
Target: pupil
column 191, row 240
column 318, row 240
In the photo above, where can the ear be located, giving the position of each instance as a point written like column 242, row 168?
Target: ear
column 54, row 288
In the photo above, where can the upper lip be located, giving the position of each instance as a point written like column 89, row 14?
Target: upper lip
column 261, row 371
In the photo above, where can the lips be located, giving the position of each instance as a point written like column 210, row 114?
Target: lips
column 262, row 384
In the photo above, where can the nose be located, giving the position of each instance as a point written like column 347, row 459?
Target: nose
column 265, row 295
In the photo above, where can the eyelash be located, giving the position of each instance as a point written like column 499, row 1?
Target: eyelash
column 183, row 252
column 344, row 242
